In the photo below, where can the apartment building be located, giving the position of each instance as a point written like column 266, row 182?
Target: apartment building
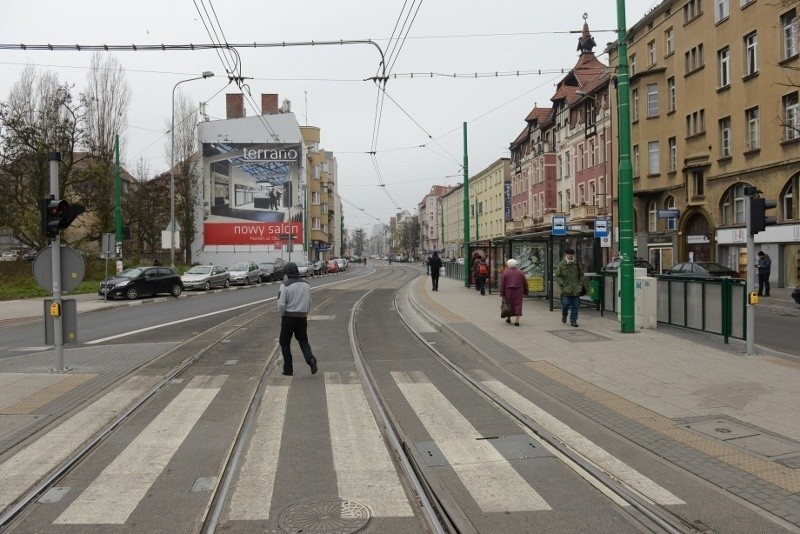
column 431, row 220
column 453, row 215
column 321, row 193
column 714, row 111
column 487, row 201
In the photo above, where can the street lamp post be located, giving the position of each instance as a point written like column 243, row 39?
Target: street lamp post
column 206, row 74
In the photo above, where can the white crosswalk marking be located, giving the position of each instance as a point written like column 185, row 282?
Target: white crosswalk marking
column 490, row 479
column 364, row 470
column 582, row 445
column 252, row 497
column 114, row 495
column 31, row 463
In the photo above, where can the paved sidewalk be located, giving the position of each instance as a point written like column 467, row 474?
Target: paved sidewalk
column 730, row 418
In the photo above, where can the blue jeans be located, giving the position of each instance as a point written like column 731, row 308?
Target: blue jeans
column 570, row 301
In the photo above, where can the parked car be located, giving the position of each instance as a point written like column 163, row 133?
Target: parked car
column 333, row 266
column 796, row 294
column 320, row 267
column 613, row 265
column 270, row 271
column 205, row 277
column 142, row 281
column 342, row 264
column 701, row 269
column 306, row 268
column 244, row 273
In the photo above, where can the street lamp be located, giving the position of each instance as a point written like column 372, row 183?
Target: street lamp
column 206, row 74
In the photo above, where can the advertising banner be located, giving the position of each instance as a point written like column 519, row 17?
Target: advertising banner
column 531, row 261
column 252, row 193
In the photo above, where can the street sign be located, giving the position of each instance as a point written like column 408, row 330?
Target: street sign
column 559, row 225
column 72, row 268
column 605, row 242
column 601, row 228
column 668, row 214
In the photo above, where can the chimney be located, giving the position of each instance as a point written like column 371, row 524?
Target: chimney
column 234, row 106
column 269, row 104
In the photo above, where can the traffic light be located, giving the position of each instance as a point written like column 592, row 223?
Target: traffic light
column 758, row 214
column 57, row 215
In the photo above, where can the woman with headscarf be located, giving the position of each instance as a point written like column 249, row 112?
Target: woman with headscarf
column 513, row 287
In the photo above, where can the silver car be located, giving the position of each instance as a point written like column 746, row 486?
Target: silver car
column 244, row 273
column 205, row 277
column 305, row 268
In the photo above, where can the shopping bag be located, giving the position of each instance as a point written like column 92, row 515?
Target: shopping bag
column 505, row 309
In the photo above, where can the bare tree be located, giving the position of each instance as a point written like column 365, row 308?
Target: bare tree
column 39, row 117
column 147, row 210
column 187, row 165
column 106, row 99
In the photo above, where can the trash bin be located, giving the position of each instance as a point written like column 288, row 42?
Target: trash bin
column 594, row 289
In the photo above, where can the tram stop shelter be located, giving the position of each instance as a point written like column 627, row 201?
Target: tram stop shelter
column 537, row 255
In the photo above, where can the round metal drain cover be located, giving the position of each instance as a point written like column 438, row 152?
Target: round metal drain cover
column 335, row 517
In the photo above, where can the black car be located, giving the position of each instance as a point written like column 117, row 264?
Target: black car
column 701, row 269
column 270, row 272
column 796, row 294
column 613, row 266
column 142, row 281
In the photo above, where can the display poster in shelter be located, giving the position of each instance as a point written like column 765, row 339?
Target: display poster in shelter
column 531, row 261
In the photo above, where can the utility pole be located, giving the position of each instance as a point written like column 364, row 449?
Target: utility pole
column 625, row 180
column 750, row 330
column 466, row 210
column 117, row 198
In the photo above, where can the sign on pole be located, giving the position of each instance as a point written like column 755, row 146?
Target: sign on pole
column 601, row 228
column 559, row 225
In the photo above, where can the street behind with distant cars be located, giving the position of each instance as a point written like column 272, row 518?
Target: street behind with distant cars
column 701, row 269
column 205, row 277
column 613, row 266
column 142, row 281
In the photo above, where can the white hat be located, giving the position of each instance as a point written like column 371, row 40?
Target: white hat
column 511, row 263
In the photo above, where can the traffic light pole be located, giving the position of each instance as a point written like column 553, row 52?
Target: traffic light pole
column 751, row 277
column 55, row 249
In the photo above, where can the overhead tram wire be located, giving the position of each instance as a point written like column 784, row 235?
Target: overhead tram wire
column 225, row 62
column 237, row 60
column 393, row 60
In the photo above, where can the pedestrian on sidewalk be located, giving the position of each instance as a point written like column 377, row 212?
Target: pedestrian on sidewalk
column 294, row 303
column 513, row 287
column 435, row 263
column 481, row 273
column 569, row 277
column 764, row 266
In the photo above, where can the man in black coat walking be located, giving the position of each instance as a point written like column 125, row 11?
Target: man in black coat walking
column 435, row 263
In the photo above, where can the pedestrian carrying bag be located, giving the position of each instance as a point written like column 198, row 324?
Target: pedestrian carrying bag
column 483, row 270
column 584, row 290
column 505, row 309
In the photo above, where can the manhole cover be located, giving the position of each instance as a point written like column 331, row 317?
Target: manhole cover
column 578, row 335
column 335, row 517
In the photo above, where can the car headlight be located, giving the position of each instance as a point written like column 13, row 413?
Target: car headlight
column 123, row 283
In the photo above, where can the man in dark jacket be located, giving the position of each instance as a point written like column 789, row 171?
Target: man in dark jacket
column 569, row 277
column 294, row 302
column 764, row 266
column 435, row 263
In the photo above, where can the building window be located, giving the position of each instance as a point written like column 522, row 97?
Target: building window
column 791, row 117
column 725, row 137
column 751, row 54
column 652, row 216
column 582, row 194
column 651, row 53
column 315, row 223
column 694, row 58
column 669, row 41
column 632, row 64
column 671, row 94
column 652, row 100
column 315, row 197
column 724, row 59
column 592, row 156
column 581, row 158
column 560, row 168
column 669, row 204
column 673, row 154
column 568, row 164
column 635, row 160
column 592, row 194
column 653, row 157
column 635, row 105
column 789, row 25
column 698, row 184
column 747, row 2
column 733, row 205
column 692, row 10
column 696, row 123
column 721, row 10
column 753, row 140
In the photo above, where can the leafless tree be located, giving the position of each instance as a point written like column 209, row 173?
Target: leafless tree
column 39, row 117
column 147, row 210
column 187, row 166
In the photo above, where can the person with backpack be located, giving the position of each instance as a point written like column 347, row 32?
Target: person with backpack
column 481, row 273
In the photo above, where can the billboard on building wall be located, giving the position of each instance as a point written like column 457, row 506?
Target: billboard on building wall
column 507, row 199
column 251, row 194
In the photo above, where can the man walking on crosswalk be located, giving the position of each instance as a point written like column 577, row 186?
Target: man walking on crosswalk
column 294, row 302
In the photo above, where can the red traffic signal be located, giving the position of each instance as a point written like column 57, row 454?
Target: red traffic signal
column 58, row 215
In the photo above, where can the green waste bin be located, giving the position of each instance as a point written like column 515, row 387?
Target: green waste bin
column 594, row 289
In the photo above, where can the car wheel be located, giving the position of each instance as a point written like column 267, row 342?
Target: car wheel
column 207, row 286
column 176, row 290
column 246, row 280
column 131, row 293
column 227, row 284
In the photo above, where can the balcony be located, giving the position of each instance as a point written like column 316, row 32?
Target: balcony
column 514, row 226
column 584, row 211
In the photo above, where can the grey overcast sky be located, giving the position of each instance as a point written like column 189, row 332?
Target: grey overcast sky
column 415, row 130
